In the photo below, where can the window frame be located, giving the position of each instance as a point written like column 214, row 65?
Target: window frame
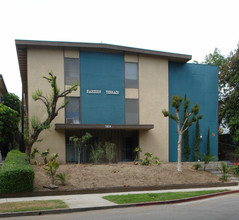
column 127, row 99
column 75, row 97
column 68, row 58
column 126, row 86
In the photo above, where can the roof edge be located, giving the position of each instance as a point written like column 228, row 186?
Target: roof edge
column 3, row 85
column 171, row 56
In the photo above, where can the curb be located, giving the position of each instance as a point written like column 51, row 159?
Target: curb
column 71, row 210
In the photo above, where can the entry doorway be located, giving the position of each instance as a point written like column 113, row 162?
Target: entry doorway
column 130, row 142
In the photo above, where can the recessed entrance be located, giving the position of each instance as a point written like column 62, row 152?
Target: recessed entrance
column 125, row 141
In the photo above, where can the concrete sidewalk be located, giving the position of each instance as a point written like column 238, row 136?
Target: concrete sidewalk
column 94, row 201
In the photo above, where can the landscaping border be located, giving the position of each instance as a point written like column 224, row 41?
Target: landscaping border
column 116, row 189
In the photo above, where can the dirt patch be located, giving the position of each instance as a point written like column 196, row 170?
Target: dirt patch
column 88, row 176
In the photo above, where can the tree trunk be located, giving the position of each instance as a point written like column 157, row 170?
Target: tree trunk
column 28, row 150
column 79, row 153
column 179, row 143
column 179, row 152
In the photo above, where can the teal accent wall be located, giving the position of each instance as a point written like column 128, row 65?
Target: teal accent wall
column 102, row 71
column 200, row 83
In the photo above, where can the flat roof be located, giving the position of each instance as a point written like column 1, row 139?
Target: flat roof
column 103, row 126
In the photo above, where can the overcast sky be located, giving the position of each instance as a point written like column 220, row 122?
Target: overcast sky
column 179, row 26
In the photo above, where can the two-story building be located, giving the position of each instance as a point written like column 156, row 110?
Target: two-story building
column 122, row 92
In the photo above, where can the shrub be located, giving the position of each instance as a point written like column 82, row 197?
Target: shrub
column 51, row 169
column 148, row 158
column 224, row 170
column 197, row 166
column 235, row 169
column 109, row 151
column 62, row 178
column 97, row 154
column 16, row 174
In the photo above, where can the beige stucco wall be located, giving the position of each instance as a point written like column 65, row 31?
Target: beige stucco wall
column 153, row 98
column 40, row 61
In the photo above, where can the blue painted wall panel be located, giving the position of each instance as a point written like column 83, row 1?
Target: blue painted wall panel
column 200, row 84
column 102, row 71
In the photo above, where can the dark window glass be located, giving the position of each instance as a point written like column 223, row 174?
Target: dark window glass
column 132, row 111
column 73, row 111
column 72, row 70
column 131, row 75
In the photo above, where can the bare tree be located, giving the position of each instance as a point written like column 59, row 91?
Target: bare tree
column 190, row 118
column 50, row 102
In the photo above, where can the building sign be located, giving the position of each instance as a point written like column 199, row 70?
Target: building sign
column 112, row 92
column 91, row 91
column 107, row 92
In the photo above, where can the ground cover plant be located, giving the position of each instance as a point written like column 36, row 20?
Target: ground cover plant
column 31, row 205
column 153, row 197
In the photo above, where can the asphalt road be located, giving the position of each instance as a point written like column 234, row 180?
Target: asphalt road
column 224, row 207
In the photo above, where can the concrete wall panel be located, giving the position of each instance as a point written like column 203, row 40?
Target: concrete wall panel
column 153, row 98
column 40, row 62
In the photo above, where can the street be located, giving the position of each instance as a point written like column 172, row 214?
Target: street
column 224, row 207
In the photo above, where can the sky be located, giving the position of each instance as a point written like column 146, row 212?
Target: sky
column 179, row 26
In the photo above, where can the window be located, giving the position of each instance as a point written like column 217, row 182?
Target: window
column 73, row 111
column 131, row 75
column 131, row 111
column 72, row 70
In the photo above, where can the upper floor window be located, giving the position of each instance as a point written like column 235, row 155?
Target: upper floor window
column 72, row 70
column 131, row 111
column 72, row 111
column 131, row 75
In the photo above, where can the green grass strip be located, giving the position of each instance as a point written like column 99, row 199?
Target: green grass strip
column 153, row 197
column 31, row 205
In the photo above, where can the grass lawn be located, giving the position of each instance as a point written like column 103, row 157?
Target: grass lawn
column 152, row 197
column 31, row 205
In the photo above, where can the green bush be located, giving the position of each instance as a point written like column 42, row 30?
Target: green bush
column 16, row 174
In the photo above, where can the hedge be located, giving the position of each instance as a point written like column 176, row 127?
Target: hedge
column 16, row 174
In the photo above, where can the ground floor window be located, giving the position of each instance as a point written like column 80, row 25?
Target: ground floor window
column 125, row 143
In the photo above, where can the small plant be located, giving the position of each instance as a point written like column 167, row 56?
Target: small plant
column 156, row 160
column 207, row 158
column 197, row 166
column 97, row 154
column 62, row 178
column 109, row 151
column 53, row 157
column 148, row 158
column 34, row 152
column 137, row 150
column 51, row 170
column 44, row 155
column 224, row 171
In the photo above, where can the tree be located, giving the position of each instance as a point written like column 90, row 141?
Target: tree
column 80, row 143
column 11, row 100
column 197, row 142
column 52, row 109
column 186, row 147
column 16, row 139
column 191, row 117
column 8, row 124
column 208, row 141
column 228, row 89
